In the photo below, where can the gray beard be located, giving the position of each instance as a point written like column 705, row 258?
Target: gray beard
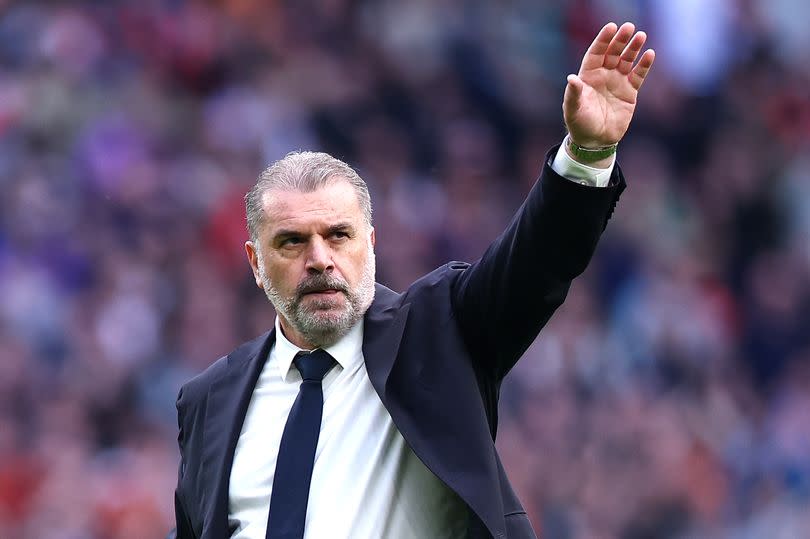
column 319, row 328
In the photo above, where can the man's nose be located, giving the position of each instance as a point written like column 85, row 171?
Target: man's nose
column 319, row 256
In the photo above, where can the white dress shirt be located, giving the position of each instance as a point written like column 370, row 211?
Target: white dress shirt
column 367, row 483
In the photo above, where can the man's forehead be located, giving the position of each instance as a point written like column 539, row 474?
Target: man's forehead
column 336, row 198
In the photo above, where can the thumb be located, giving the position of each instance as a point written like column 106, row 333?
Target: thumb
column 573, row 94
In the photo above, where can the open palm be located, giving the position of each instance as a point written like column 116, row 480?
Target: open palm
column 599, row 102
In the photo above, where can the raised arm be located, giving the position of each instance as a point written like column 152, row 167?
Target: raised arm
column 502, row 301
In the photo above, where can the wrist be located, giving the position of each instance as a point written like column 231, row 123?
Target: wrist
column 597, row 157
column 564, row 165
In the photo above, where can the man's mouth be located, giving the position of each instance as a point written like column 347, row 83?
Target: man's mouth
column 326, row 291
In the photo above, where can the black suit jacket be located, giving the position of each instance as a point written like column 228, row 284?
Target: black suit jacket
column 436, row 356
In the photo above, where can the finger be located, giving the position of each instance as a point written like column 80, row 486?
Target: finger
column 639, row 73
column 573, row 94
column 630, row 52
column 618, row 44
column 595, row 55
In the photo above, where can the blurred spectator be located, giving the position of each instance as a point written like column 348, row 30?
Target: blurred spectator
column 666, row 399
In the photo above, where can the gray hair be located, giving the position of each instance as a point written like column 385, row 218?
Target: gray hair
column 305, row 172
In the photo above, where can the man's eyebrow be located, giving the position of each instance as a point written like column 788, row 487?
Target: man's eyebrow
column 340, row 227
column 289, row 232
column 286, row 233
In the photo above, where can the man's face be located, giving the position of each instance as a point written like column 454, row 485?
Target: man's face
column 315, row 261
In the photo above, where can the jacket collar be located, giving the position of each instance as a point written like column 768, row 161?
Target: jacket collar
column 382, row 334
column 227, row 404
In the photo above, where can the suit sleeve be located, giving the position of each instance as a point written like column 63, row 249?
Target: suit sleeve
column 183, row 529
column 503, row 300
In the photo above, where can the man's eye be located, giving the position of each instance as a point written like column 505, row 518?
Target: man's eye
column 340, row 234
column 289, row 242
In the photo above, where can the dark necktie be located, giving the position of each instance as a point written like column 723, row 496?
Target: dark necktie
column 296, row 453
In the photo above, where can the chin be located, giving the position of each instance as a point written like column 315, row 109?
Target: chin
column 324, row 326
column 328, row 320
column 318, row 303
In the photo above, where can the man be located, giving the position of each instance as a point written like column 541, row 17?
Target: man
column 370, row 414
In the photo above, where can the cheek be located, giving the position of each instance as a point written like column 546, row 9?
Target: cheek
column 355, row 264
column 284, row 277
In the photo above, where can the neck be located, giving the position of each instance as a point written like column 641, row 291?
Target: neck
column 294, row 336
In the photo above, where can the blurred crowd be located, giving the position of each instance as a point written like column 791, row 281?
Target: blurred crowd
column 669, row 397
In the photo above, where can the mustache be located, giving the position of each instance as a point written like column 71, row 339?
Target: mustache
column 320, row 282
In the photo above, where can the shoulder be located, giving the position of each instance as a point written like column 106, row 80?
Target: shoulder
column 429, row 296
column 441, row 276
column 193, row 392
column 438, row 282
column 432, row 286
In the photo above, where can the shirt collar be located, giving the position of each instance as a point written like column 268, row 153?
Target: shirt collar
column 347, row 351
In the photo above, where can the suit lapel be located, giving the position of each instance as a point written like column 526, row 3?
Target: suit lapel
column 382, row 333
column 228, row 400
column 415, row 411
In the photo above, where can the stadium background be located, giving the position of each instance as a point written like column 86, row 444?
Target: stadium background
column 668, row 398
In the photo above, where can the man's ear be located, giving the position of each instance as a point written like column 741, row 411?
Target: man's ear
column 253, row 260
column 373, row 237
